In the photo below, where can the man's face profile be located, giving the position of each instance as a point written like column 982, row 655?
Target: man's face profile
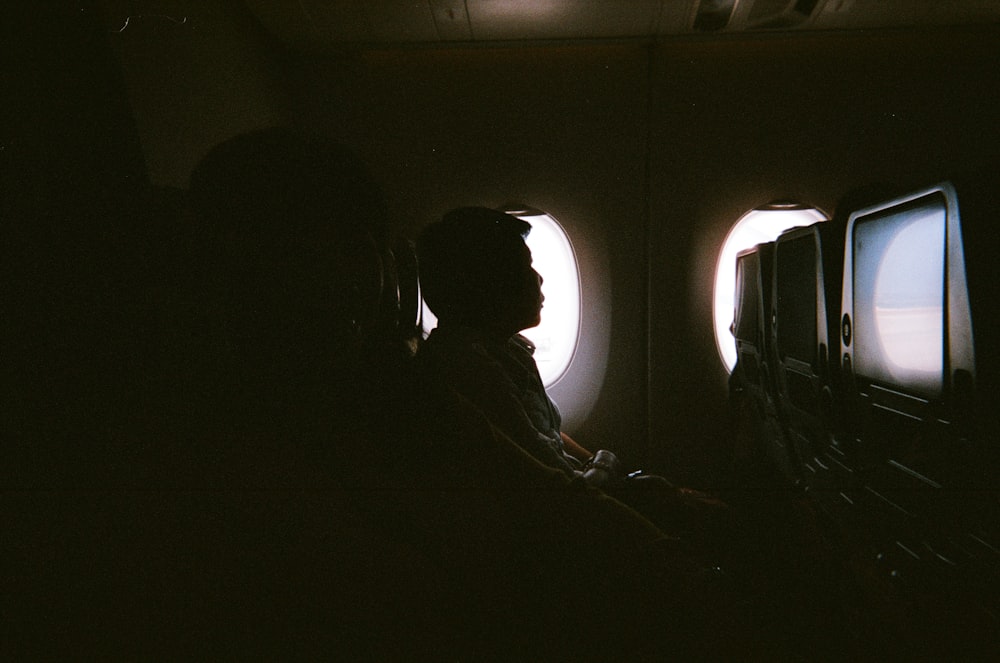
column 523, row 297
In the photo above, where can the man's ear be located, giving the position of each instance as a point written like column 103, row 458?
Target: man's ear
column 478, row 298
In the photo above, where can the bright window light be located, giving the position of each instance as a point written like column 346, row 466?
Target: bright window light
column 759, row 225
column 553, row 258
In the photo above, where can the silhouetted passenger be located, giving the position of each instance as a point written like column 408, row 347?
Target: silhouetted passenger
column 477, row 277
column 471, row 546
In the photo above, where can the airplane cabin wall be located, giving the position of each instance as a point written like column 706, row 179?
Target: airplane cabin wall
column 197, row 74
column 646, row 153
column 561, row 129
column 739, row 123
column 66, row 128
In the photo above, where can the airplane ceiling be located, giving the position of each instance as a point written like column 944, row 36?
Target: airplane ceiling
column 319, row 23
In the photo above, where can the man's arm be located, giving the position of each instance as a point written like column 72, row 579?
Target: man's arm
column 574, row 449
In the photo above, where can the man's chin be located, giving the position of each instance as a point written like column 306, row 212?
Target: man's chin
column 534, row 322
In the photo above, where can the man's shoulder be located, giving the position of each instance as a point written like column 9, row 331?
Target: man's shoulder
column 521, row 343
column 458, row 352
column 453, row 341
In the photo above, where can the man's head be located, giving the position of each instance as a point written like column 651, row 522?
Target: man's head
column 475, row 270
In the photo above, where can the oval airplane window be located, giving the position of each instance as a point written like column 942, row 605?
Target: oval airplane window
column 554, row 259
column 762, row 224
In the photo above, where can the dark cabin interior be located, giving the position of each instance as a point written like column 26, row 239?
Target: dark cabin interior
column 647, row 129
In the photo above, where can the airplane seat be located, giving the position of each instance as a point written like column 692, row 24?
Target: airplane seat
column 760, row 432
column 807, row 275
column 409, row 303
column 976, row 396
column 918, row 384
column 832, row 250
column 249, row 452
column 71, row 161
column 273, row 289
column 845, row 423
column 82, row 315
column 978, row 202
column 972, row 464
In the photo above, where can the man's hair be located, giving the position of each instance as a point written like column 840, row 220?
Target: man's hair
column 465, row 261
